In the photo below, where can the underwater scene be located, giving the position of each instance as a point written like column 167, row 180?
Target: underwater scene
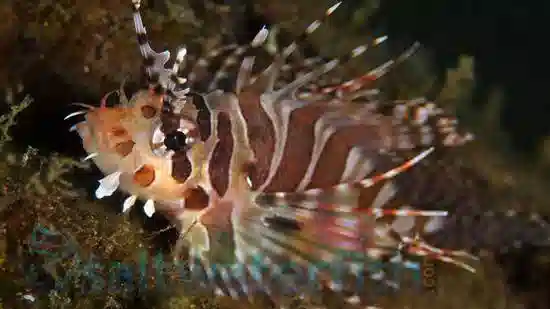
column 373, row 154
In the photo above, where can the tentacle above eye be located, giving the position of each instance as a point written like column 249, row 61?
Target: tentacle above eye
column 166, row 81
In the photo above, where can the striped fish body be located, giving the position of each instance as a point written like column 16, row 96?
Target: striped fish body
column 308, row 153
column 266, row 181
column 302, row 175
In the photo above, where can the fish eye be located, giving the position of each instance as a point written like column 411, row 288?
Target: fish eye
column 175, row 140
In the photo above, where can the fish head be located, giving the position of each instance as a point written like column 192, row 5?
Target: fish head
column 128, row 144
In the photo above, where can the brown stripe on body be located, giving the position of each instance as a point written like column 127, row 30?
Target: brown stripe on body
column 203, row 116
column 181, row 166
column 261, row 136
column 219, row 164
column 170, row 122
column 332, row 162
column 298, row 148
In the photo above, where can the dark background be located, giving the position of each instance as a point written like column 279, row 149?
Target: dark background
column 508, row 40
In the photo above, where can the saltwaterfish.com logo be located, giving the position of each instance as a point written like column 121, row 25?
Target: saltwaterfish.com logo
column 118, row 277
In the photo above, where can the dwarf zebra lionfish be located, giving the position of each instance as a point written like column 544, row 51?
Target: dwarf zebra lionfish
column 299, row 177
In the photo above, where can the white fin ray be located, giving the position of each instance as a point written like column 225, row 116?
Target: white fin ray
column 90, row 156
column 260, row 37
column 75, row 114
column 108, row 185
column 128, row 203
column 149, row 208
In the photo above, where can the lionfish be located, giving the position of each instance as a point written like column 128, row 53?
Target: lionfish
column 274, row 182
